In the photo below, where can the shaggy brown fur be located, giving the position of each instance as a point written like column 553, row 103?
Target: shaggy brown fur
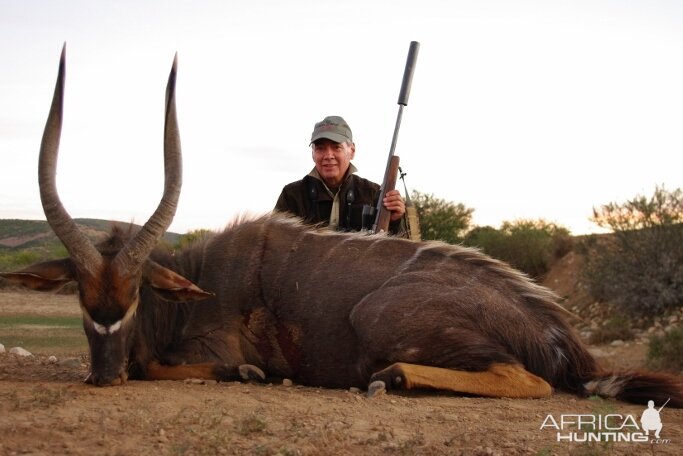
column 330, row 309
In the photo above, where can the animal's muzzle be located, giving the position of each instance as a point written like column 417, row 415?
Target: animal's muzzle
column 107, row 380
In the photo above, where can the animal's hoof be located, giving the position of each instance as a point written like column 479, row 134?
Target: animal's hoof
column 392, row 377
column 376, row 388
column 251, row 372
column 224, row 373
column 121, row 379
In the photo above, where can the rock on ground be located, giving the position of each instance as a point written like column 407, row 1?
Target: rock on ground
column 18, row 351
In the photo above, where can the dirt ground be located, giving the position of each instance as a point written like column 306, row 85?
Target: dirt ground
column 45, row 409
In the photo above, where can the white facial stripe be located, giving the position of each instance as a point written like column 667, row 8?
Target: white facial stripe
column 115, row 327
column 131, row 311
column 111, row 329
column 104, row 330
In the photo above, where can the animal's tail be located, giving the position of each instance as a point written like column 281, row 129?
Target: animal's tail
column 638, row 387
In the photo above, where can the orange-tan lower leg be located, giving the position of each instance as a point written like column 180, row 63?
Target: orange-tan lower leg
column 156, row 371
column 206, row 371
column 500, row 380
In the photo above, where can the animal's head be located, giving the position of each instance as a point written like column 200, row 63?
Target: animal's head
column 108, row 277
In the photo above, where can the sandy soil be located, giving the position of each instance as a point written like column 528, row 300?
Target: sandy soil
column 46, row 409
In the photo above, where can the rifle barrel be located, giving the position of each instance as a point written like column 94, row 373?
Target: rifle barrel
column 408, row 73
column 403, row 96
column 667, row 401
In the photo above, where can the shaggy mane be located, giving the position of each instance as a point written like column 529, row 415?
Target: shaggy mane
column 520, row 281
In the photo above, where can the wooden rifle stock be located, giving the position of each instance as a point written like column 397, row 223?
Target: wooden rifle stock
column 383, row 215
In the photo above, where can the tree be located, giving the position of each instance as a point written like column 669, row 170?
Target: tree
column 639, row 266
column 529, row 245
column 440, row 219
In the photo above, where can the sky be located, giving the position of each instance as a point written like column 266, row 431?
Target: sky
column 518, row 109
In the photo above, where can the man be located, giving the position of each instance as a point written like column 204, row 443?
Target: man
column 331, row 194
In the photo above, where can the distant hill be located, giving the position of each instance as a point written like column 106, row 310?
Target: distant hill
column 23, row 242
column 24, row 233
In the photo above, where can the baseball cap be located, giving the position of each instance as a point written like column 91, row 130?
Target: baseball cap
column 333, row 128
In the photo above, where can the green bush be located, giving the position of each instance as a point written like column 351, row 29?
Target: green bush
column 639, row 266
column 531, row 246
column 666, row 352
column 440, row 219
column 15, row 259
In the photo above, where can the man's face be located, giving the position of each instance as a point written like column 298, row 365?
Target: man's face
column 332, row 159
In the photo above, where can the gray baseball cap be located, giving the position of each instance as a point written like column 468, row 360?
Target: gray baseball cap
column 333, row 128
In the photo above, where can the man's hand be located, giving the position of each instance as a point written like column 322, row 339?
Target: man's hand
column 395, row 204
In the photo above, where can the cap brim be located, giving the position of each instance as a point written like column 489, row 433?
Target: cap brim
column 329, row 135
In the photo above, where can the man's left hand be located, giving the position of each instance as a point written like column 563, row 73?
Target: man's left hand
column 395, row 204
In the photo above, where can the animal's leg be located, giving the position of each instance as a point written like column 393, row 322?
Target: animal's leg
column 207, row 371
column 499, row 380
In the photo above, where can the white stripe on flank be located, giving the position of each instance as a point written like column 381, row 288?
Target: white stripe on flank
column 418, row 252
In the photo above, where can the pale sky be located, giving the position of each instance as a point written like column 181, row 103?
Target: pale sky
column 519, row 109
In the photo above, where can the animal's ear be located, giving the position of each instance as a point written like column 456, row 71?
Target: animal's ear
column 47, row 276
column 170, row 285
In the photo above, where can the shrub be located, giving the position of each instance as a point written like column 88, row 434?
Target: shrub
column 666, row 352
column 639, row 266
column 531, row 246
column 616, row 328
column 440, row 219
column 12, row 259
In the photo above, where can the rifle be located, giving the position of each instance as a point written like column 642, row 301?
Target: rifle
column 382, row 215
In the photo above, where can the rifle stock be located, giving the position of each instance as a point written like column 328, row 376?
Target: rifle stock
column 389, row 183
